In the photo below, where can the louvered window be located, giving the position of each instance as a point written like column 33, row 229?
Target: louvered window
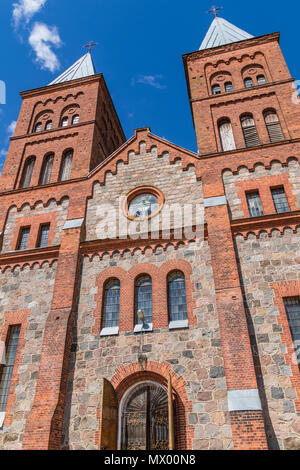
column 273, row 126
column 254, row 204
column 27, row 172
column 226, row 136
column 111, row 304
column 64, row 122
column 23, row 240
column 143, row 299
column 66, row 166
column 75, row 119
column 280, row 201
column 248, row 83
column 292, row 307
column 7, row 369
column 44, row 236
column 216, row 90
column 48, row 126
column 261, row 80
column 250, row 132
column 228, row 87
column 38, row 127
column 46, row 169
column 177, row 304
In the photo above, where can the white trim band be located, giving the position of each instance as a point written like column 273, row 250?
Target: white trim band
column 110, row 331
column 2, row 353
column 176, row 325
column 2, row 416
column 75, row 223
column 244, row 400
column 143, row 328
column 215, row 201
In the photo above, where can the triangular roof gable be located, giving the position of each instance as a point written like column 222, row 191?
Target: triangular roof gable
column 144, row 134
column 222, row 32
column 84, row 67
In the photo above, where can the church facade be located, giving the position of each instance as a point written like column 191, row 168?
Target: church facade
column 149, row 295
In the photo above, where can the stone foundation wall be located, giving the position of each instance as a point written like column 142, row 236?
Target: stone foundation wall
column 29, row 291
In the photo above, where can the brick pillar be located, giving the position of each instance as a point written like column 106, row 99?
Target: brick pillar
column 44, row 424
column 243, row 397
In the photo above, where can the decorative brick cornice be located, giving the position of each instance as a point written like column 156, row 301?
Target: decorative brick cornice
column 28, row 257
column 266, row 223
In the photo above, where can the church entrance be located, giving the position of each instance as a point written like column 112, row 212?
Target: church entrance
column 145, row 418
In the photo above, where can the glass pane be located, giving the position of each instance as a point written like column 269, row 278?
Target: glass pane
column 49, row 126
column 27, row 173
column 249, row 83
column 75, row 119
column 228, row 87
column 292, row 307
column 44, row 235
column 66, row 166
column 24, row 236
column 143, row 299
column 143, row 205
column 177, row 297
column 111, row 304
column 7, row 370
column 216, row 89
column 254, row 204
column 261, row 80
column 280, row 200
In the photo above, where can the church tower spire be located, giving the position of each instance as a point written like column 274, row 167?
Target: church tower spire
column 222, row 32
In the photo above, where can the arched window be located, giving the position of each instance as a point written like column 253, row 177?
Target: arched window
column 48, row 126
column 177, row 304
column 143, row 299
column 261, row 80
column 65, row 171
column 248, row 82
column 65, row 122
column 273, row 126
column 249, row 131
column 216, row 90
column 38, row 127
column 228, row 87
column 27, row 172
column 46, row 169
column 75, row 119
column 226, row 135
column 111, row 306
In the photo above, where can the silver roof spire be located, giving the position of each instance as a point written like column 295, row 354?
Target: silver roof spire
column 222, row 32
column 84, row 67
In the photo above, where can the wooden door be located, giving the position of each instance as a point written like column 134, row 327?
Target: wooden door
column 108, row 418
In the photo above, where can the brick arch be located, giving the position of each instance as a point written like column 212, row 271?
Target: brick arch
column 102, row 278
column 126, row 376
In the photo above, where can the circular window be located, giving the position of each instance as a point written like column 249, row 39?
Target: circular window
column 143, row 203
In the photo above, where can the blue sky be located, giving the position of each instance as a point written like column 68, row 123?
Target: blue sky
column 140, row 49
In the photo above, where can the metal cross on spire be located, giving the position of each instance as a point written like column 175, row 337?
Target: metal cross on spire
column 214, row 10
column 90, row 45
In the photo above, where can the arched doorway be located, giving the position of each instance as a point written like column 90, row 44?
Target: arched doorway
column 144, row 418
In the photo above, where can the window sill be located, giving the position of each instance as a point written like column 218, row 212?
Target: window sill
column 2, row 416
column 143, row 328
column 112, row 331
column 176, row 325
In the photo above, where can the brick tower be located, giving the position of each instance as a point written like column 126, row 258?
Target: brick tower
column 165, row 339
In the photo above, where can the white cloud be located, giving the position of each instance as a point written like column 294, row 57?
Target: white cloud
column 151, row 80
column 41, row 38
column 25, row 9
column 11, row 128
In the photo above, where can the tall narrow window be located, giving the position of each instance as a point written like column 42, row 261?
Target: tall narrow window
column 226, row 135
column 111, row 304
column 254, row 204
column 23, row 238
column 48, row 126
column 7, row 370
column 65, row 172
column 248, row 83
column 75, row 119
column 64, row 122
column 216, row 90
column 280, row 201
column 228, row 87
column 292, row 307
column 38, row 127
column 261, row 80
column 177, row 304
column 273, row 126
column 44, row 236
column 46, row 169
column 143, row 299
column 249, row 131
column 27, row 172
